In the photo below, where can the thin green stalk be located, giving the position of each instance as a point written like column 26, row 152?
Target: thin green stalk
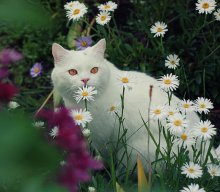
column 161, row 45
column 87, row 23
column 208, row 152
column 201, row 150
column 113, row 173
column 151, row 135
column 186, row 81
column 115, row 24
column 204, row 82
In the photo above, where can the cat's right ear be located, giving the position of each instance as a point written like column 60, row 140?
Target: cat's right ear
column 58, row 52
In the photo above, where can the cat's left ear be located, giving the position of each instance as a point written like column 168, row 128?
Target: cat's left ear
column 100, row 47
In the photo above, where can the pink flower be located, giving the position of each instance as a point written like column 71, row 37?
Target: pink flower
column 9, row 55
column 69, row 137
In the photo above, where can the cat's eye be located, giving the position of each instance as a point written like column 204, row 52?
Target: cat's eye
column 94, row 70
column 72, row 72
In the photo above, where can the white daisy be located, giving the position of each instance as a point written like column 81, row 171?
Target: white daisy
column 113, row 108
column 13, row 105
column 177, row 123
column 77, row 12
column 172, row 61
column 86, row 132
column 217, row 15
column 186, row 105
column 91, row 189
column 159, row 28
column 157, row 113
column 214, row 170
column 85, row 93
column 109, row 6
column 81, row 117
column 203, row 105
column 185, row 138
column 126, row 80
column 39, row 124
column 205, row 6
column 191, row 170
column 70, row 5
column 204, row 129
column 54, row 132
column 103, row 18
column 192, row 188
column 169, row 82
column 170, row 111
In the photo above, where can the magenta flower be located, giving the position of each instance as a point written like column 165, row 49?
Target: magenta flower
column 9, row 55
column 36, row 70
column 7, row 91
column 83, row 42
column 69, row 137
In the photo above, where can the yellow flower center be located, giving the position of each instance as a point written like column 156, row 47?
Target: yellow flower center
column 78, row 117
column 185, row 105
column 213, row 173
column 177, row 122
column 85, row 93
column 157, row 111
column 183, row 136
column 171, row 113
column 124, row 80
column 191, row 170
column 83, row 43
column 167, row 81
column 103, row 18
column 112, row 108
column 203, row 106
column 204, row 129
column 173, row 62
column 76, row 12
column 37, row 70
column 205, row 6
column 159, row 29
column 107, row 7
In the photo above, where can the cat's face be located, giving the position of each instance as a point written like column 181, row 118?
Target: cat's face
column 75, row 69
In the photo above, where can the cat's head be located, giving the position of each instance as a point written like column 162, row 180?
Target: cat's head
column 73, row 69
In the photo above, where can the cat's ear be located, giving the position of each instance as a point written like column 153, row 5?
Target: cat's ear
column 100, row 47
column 58, row 52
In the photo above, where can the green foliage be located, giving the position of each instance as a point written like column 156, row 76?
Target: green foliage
column 26, row 158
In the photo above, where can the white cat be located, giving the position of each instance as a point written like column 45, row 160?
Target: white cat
column 75, row 68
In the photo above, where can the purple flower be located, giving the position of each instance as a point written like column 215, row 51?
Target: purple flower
column 3, row 72
column 36, row 70
column 9, row 55
column 78, row 161
column 83, row 42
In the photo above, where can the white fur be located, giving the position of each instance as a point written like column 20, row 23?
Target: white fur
column 104, row 128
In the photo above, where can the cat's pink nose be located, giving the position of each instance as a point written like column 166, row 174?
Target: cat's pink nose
column 85, row 80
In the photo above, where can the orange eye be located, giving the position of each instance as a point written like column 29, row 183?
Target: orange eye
column 72, row 72
column 94, row 70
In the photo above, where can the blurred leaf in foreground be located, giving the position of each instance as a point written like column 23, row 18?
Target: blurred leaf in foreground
column 27, row 161
column 22, row 12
